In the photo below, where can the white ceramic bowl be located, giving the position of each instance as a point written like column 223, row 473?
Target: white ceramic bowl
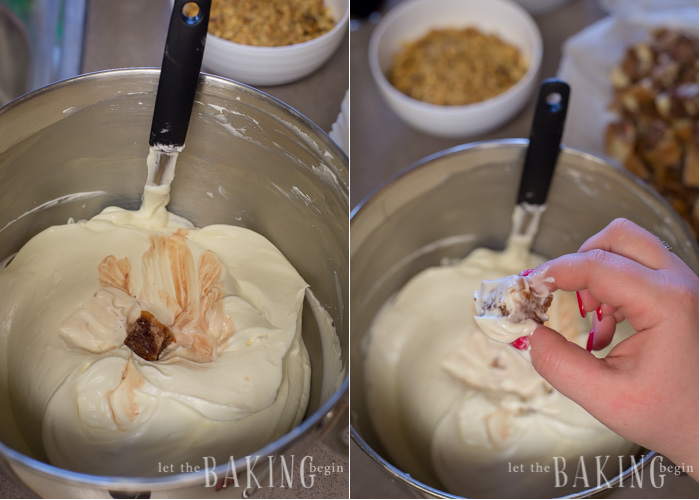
column 415, row 18
column 276, row 65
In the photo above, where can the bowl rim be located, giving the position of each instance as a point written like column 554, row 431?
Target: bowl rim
column 339, row 26
column 512, row 92
column 513, row 142
column 647, row 456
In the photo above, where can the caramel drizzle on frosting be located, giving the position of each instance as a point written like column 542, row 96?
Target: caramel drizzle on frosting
column 190, row 295
column 115, row 273
column 496, row 426
column 123, row 397
column 187, row 296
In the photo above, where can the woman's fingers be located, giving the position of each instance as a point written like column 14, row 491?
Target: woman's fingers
column 569, row 368
column 605, row 319
column 610, row 279
column 631, row 242
column 625, row 238
column 587, row 303
column 602, row 333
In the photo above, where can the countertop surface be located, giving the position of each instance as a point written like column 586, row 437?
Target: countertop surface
column 382, row 145
column 131, row 33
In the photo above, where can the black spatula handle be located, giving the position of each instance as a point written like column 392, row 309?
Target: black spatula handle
column 182, row 62
column 545, row 142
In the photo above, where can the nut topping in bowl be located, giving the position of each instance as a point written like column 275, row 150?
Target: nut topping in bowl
column 454, row 67
column 272, row 23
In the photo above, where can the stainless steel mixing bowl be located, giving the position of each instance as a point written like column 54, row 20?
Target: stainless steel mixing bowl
column 73, row 148
column 460, row 199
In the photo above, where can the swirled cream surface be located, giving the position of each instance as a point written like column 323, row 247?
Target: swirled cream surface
column 458, row 410
column 235, row 377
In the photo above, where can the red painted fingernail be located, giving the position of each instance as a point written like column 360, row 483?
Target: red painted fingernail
column 526, row 272
column 580, row 305
column 589, row 344
column 599, row 312
column 521, row 343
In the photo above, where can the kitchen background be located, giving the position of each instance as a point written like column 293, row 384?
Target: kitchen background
column 43, row 41
column 55, row 39
column 383, row 144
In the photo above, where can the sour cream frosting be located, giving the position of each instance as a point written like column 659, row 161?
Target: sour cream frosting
column 453, row 408
column 236, row 377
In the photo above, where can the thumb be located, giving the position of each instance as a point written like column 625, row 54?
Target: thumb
column 570, row 369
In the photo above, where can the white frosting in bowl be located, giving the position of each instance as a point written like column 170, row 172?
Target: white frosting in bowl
column 236, row 378
column 453, row 408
